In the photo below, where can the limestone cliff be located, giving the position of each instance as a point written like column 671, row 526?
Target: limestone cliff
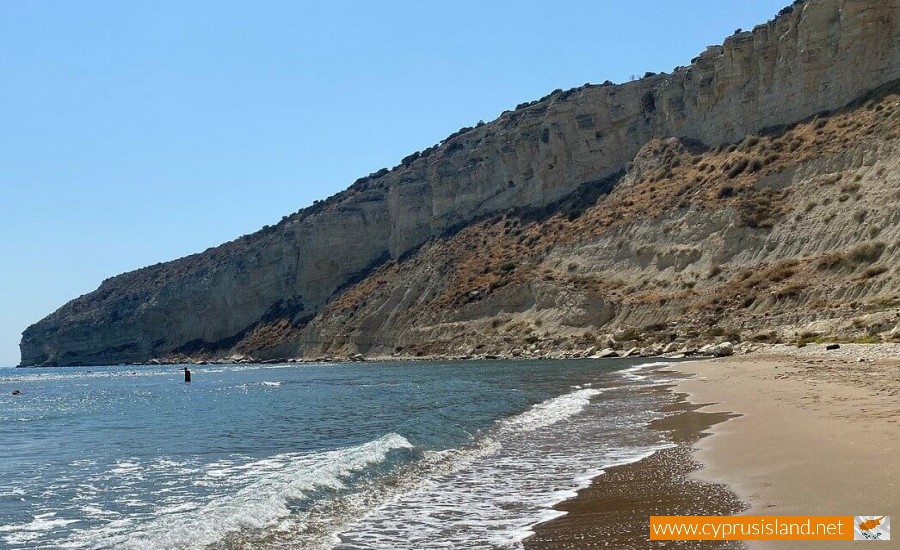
column 265, row 293
column 787, row 236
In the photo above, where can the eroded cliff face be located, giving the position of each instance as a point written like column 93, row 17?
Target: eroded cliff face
column 786, row 236
column 260, row 292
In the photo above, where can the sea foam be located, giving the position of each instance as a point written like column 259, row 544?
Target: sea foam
column 255, row 499
column 491, row 496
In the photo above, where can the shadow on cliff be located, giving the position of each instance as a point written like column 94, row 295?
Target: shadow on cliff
column 572, row 206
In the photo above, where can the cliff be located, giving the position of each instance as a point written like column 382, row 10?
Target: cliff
column 787, row 236
column 290, row 289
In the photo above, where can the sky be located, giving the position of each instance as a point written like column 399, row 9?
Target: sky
column 138, row 132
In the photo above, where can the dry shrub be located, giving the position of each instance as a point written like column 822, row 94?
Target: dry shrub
column 865, row 253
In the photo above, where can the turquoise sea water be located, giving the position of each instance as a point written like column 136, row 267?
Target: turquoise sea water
column 406, row 455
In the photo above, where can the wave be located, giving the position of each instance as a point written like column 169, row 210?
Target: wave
column 260, row 503
column 631, row 373
column 495, row 493
column 24, row 533
column 248, row 385
column 422, row 491
column 425, row 478
column 383, row 493
column 550, row 411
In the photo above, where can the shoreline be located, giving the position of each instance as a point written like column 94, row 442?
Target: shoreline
column 671, row 351
column 817, row 435
column 614, row 510
column 799, row 431
column 682, row 353
column 754, row 434
column 378, row 359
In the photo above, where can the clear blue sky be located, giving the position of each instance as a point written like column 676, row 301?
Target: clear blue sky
column 137, row 132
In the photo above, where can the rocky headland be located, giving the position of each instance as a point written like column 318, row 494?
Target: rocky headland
column 747, row 198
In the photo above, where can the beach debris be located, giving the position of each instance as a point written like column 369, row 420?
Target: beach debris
column 831, row 347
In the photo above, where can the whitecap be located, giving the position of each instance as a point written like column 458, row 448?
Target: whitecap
column 551, row 411
column 261, row 500
column 22, row 533
column 495, row 493
column 631, row 372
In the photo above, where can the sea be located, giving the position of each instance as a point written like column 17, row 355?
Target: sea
column 322, row 456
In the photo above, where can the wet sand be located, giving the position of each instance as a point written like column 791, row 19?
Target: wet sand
column 614, row 511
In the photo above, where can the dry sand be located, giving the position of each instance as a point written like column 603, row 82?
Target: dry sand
column 815, row 433
column 818, row 433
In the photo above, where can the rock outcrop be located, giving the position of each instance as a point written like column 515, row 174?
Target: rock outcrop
column 789, row 236
column 264, row 293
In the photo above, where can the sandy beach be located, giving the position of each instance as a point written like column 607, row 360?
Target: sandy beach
column 789, row 431
column 613, row 512
column 817, row 434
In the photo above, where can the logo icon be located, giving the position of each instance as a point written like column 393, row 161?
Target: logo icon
column 871, row 527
